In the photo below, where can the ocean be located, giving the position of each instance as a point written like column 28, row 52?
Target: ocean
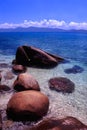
column 72, row 46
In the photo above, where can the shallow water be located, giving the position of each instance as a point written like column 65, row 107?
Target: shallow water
column 61, row 105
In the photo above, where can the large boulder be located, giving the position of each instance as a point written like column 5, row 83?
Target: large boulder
column 25, row 81
column 31, row 56
column 68, row 123
column 62, row 84
column 27, row 105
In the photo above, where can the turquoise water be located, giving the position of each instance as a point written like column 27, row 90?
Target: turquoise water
column 70, row 45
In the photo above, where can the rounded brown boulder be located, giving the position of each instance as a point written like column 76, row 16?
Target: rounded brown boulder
column 18, row 68
column 27, row 105
column 62, row 84
column 25, row 81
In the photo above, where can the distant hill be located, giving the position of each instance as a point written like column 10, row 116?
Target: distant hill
column 38, row 29
column 31, row 29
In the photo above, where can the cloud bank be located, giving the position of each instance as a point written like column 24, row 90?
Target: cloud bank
column 51, row 23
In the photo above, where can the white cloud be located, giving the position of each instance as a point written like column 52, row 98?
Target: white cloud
column 9, row 25
column 51, row 23
column 78, row 25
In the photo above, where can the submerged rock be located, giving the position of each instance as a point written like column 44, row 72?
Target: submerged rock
column 4, row 88
column 4, row 65
column 75, row 69
column 31, row 56
column 27, row 105
column 62, row 84
column 18, row 68
column 25, row 81
column 68, row 123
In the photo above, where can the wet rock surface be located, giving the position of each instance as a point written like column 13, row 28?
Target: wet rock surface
column 25, row 81
column 4, row 88
column 74, row 70
column 31, row 56
column 27, row 105
column 18, row 68
column 61, row 84
column 68, row 123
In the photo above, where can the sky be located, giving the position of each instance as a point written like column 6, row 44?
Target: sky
column 65, row 14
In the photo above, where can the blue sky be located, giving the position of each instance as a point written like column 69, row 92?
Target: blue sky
column 55, row 13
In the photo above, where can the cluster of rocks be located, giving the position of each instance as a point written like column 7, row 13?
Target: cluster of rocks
column 27, row 102
column 30, row 103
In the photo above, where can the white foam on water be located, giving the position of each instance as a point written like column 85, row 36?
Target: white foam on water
column 6, row 58
column 4, row 98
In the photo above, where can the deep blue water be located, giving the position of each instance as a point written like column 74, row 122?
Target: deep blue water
column 70, row 45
